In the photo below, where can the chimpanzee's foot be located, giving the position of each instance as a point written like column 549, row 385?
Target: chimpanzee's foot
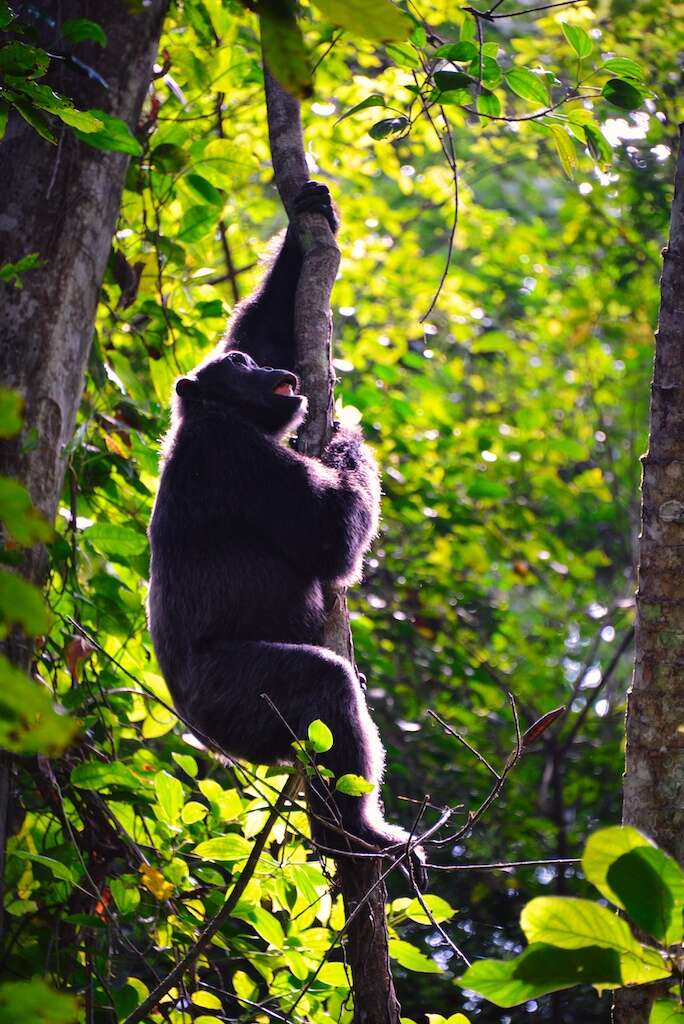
column 391, row 845
column 314, row 197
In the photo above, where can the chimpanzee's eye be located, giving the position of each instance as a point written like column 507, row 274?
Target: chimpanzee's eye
column 237, row 357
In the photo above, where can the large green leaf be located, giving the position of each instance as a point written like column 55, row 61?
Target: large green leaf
column 116, row 541
column 541, row 969
column 378, row 20
column 571, row 923
column 526, row 84
column 170, row 796
column 284, row 49
column 411, row 958
column 650, row 885
column 28, row 722
column 229, row 847
column 114, row 135
column 666, row 1011
column 578, row 39
column 602, row 850
column 22, row 603
column 103, row 775
column 623, row 94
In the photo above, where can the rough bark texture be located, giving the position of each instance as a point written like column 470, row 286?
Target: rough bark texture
column 62, row 202
column 654, row 774
column 375, row 1001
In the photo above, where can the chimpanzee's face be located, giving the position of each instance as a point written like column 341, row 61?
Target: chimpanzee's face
column 266, row 397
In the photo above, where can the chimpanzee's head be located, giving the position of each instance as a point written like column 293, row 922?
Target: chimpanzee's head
column 265, row 397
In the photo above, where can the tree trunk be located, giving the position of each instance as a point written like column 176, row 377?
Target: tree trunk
column 375, row 1001
column 61, row 202
column 654, row 774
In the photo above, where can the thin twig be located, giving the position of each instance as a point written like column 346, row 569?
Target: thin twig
column 452, row 732
column 505, row 865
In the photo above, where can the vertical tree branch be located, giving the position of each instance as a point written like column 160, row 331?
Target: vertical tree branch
column 654, row 772
column 367, row 949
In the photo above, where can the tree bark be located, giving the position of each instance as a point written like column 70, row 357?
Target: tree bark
column 654, row 772
column 367, row 950
column 61, row 202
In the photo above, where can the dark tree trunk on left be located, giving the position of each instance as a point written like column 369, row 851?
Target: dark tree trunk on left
column 62, row 203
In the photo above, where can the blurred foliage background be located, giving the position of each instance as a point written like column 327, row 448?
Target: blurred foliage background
column 508, row 417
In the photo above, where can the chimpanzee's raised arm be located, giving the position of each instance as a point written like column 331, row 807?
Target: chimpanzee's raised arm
column 263, row 325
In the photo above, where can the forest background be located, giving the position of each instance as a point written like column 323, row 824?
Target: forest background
column 508, row 407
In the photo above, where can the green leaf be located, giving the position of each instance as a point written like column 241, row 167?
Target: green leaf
column 528, row 86
column 378, row 20
column 320, row 737
column 439, row 908
column 12, row 272
column 488, row 103
column 353, row 785
column 229, row 847
column 6, row 15
column 187, row 763
column 541, row 969
column 484, row 488
column 20, row 59
column 623, row 67
column 35, row 119
column 170, row 796
column 99, row 775
column 603, row 848
column 571, row 923
column 375, row 100
column 565, row 149
column 650, row 886
column 403, row 55
column 81, row 119
column 192, row 812
column 221, row 162
column 4, row 114
column 196, row 222
column 79, row 30
column 463, row 51
column 114, row 136
column 666, row 1011
column 58, row 869
column 22, row 603
column 622, row 94
column 11, row 402
column 284, row 50
column 28, row 722
column 597, row 144
column 578, row 39
column 266, row 924
column 36, row 1002
column 390, row 126
column 24, row 525
column 411, row 958
column 447, row 81
column 126, row 893
column 116, row 541
column 204, row 189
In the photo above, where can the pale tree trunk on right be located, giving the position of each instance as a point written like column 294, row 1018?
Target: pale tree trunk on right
column 654, row 772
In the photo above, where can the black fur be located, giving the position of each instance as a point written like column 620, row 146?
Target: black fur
column 244, row 534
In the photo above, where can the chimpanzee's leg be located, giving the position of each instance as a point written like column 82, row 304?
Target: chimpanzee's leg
column 224, row 699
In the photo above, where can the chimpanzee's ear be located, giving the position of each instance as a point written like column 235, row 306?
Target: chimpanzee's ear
column 188, row 387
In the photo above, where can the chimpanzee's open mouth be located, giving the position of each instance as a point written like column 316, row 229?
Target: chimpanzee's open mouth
column 284, row 387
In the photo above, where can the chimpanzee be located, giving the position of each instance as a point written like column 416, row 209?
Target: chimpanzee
column 245, row 533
